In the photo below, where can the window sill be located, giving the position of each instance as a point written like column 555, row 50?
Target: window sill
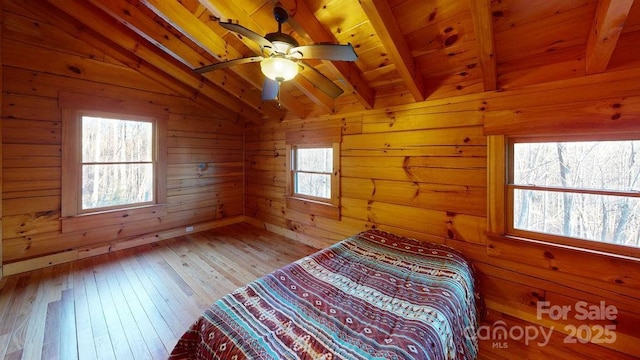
column 551, row 246
column 312, row 207
column 113, row 217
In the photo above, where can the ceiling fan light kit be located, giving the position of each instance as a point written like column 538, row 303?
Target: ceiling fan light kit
column 279, row 68
column 282, row 58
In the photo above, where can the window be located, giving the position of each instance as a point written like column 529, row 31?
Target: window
column 313, row 181
column 574, row 192
column 112, row 168
column 312, row 171
column 117, row 162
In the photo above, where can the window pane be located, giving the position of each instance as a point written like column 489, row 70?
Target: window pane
column 604, row 218
column 116, row 184
column 314, row 159
column 318, row 185
column 114, row 140
column 605, row 165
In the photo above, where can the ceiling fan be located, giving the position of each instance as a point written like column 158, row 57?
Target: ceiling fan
column 282, row 58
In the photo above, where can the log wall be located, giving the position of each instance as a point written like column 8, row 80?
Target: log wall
column 418, row 170
column 204, row 146
column 421, row 171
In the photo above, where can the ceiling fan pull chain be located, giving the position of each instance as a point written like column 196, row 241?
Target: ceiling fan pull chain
column 278, row 97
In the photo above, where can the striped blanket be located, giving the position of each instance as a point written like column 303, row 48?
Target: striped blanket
column 371, row 296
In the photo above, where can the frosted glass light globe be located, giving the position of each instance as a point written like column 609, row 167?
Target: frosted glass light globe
column 279, row 69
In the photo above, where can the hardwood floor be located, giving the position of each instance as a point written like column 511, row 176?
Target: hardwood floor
column 135, row 303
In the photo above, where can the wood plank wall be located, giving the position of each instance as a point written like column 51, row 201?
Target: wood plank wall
column 40, row 61
column 421, row 171
column 418, row 170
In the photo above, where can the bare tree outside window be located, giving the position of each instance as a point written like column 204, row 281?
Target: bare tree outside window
column 312, row 171
column 587, row 190
column 117, row 162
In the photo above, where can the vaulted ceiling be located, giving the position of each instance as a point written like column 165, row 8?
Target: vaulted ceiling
column 408, row 50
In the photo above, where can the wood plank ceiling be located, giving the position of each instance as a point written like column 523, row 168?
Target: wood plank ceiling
column 408, row 50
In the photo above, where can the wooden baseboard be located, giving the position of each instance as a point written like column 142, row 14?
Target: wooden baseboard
column 293, row 235
column 75, row 254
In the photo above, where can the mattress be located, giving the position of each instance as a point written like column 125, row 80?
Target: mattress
column 374, row 295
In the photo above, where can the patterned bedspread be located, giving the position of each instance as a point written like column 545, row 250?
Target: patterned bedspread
column 371, row 296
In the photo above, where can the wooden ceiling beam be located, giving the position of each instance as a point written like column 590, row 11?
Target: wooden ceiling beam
column 233, row 11
column 133, row 18
column 483, row 28
column 225, row 11
column 385, row 25
column 85, row 13
column 126, row 58
column 139, row 22
column 318, row 97
column 606, row 28
column 349, row 75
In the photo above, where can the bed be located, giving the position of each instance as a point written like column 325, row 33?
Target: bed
column 374, row 295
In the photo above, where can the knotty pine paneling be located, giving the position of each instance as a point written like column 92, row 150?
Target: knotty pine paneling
column 204, row 148
column 420, row 170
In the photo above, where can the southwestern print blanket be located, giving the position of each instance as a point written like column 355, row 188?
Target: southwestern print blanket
column 374, row 295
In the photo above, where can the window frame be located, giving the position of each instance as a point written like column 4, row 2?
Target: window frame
column 500, row 217
column 74, row 106
column 293, row 172
column 80, row 163
column 326, row 138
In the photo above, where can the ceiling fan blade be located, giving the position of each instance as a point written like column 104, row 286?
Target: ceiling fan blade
column 325, row 52
column 270, row 90
column 320, row 81
column 226, row 64
column 264, row 43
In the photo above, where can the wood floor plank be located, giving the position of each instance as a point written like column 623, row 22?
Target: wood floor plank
column 51, row 343
column 3, row 283
column 134, row 303
column 23, row 312
column 128, row 280
column 152, row 338
column 60, row 281
column 168, row 270
column 202, row 269
column 68, row 349
column 174, row 290
column 84, row 335
column 102, row 340
column 227, row 253
column 187, row 301
column 7, row 298
column 224, row 265
column 179, row 262
column 15, row 355
column 131, row 330
column 111, row 313
column 34, row 335
column 8, row 323
column 4, row 341
column 160, row 299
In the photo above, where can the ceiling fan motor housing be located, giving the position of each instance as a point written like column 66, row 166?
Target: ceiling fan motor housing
column 282, row 42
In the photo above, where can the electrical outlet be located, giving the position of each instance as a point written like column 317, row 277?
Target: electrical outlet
column 189, row 229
